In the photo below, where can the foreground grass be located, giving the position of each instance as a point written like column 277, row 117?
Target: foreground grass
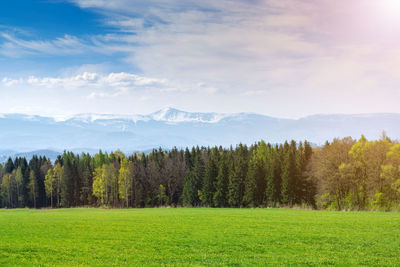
column 73, row 237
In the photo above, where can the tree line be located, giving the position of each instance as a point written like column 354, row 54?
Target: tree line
column 342, row 174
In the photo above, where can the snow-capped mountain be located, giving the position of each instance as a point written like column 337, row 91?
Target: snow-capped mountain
column 174, row 116
column 166, row 114
column 171, row 127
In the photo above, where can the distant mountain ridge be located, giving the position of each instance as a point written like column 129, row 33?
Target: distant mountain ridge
column 172, row 127
column 166, row 114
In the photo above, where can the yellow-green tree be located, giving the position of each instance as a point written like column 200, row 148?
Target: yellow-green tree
column 390, row 178
column 330, row 174
column 58, row 171
column 359, row 177
column 125, row 180
column 6, row 190
column 99, row 185
column 19, row 181
column 33, row 188
column 162, row 196
column 367, row 160
column 50, row 184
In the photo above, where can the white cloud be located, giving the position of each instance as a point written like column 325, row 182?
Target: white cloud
column 92, row 85
column 238, row 45
column 88, row 79
column 67, row 45
column 114, row 83
column 254, row 93
column 8, row 82
column 315, row 56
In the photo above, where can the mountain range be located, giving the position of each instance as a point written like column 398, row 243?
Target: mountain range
column 20, row 133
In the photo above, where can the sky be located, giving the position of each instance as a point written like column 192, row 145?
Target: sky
column 282, row 58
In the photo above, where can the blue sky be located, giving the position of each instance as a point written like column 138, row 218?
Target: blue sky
column 286, row 58
column 46, row 21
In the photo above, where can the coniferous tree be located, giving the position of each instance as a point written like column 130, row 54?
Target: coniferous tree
column 139, row 182
column 221, row 186
column 250, row 184
column 256, row 176
column 310, row 188
column 189, row 194
column 274, row 177
column 210, row 178
column 237, row 177
column 299, row 182
column 67, row 183
column 289, row 173
column 263, row 154
column 198, row 172
column 9, row 166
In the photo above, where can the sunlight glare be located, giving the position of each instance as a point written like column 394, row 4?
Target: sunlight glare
column 391, row 8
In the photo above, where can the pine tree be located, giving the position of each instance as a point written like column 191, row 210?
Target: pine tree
column 263, row 154
column 85, row 172
column 220, row 198
column 67, row 183
column 210, row 177
column 289, row 175
column 199, row 173
column 250, row 183
column 299, row 183
column 237, row 177
column 9, row 166
column 189, row 194
column 310, row 188
column 274, row 179
column 188, row 159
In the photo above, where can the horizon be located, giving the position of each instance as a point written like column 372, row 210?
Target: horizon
column 285, row 59
column 112, row 132
column 60, row 118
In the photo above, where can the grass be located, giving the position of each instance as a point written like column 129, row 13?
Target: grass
column 97, row 237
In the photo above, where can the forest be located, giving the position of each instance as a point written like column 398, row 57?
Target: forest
column 344, row 174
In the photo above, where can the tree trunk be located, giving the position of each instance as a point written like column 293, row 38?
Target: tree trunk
column 127, row 199
column 58, row 193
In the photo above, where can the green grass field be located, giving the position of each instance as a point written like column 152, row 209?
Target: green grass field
column 97, row 237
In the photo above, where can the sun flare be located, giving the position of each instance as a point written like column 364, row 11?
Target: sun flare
column 390, row 7
column 393, row 3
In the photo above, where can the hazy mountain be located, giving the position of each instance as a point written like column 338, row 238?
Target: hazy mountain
column 171, row 127
column 50, row 154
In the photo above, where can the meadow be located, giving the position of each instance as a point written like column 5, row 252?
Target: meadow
column 183, row 236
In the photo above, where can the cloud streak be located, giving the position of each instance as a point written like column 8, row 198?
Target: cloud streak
column 16, row 47
column 114, row 83
column 233, row 55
